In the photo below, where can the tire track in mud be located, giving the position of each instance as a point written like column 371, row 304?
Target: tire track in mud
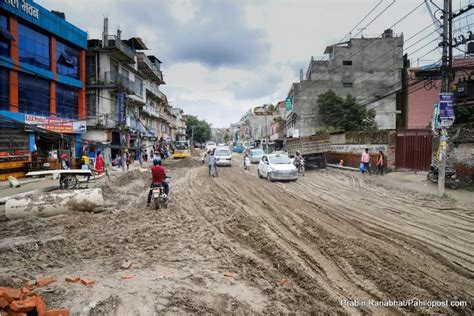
column 414, row 248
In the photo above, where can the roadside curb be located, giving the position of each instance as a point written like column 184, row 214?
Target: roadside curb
column 342, row 167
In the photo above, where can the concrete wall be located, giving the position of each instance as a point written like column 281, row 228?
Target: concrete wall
column 349, row 147
column 461, row 152
column 375, row 72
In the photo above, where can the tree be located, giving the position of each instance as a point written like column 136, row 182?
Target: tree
column 338, row 113
column 226, row 137
column 202, row 129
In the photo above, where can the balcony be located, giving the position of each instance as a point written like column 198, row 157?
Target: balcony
column 119, row 50
column 149, row 68
column 153, row 89
column 150, row 110
column 116, row 80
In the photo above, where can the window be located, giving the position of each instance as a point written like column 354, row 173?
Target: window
column 347, row 84
column 90, row 104
column 4, row 100
column 66, row 101
column 5, row 36
column 347, row 62
column 33, row 95
column 67, row 60
column 33, row 47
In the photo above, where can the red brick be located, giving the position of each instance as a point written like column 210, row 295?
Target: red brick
column 127, row 276
column 57, row 312
column 3, row 302
column 43, row 281
column 10, row 294
column 87, row 282
column 73, row 279
column 40, row 306
column 229, row 274
column 23, row 306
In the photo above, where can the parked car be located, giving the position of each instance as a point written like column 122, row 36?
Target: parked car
column 277, row 167
column 255, row 155
column 223, row 156
column 238, row 148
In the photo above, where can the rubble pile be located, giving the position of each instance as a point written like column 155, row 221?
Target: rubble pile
column 24, row 302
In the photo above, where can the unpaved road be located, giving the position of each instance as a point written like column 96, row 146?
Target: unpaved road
column 241, row 244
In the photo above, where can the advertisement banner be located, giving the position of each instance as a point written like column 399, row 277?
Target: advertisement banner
column 446, row 107
column 57, row 125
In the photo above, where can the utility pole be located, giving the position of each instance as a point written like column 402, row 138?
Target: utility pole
column 445, row 88
column 192, row 137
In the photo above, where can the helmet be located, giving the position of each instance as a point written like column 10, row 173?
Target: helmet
column 157, row 161
column 298, row 152
column 63, row 156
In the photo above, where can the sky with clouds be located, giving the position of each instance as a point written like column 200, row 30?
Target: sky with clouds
column 222, row 57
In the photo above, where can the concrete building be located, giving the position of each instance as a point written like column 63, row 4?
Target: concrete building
column 367, row 68
column 125, row 107
column 180, row 123
column 42, row 85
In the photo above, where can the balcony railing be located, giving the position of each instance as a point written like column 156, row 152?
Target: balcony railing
column 149, row 68
column 150, row 110
column 154, row 90
column 115, row 79
column 125, row 53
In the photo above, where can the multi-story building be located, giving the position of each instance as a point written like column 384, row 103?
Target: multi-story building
column 150, row 67
column 42, row 83
column 123, row 98
column 366, row 68
column 180, row 123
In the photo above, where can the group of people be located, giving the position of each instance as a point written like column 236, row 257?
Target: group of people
column 365, row 162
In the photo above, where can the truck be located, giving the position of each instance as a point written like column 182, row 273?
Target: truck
column 313, row 149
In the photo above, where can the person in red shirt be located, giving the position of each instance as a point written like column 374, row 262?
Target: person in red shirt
column 158, row 177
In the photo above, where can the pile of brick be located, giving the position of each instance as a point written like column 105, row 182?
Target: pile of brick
column 23, row 302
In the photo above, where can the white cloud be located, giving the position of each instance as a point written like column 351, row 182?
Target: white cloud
column 221, row 57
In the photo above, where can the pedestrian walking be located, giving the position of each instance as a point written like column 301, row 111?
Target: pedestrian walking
column 380, row 163
column 365, row 159
column 212, row 162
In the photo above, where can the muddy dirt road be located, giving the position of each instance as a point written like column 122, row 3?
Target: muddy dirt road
column 241, row 244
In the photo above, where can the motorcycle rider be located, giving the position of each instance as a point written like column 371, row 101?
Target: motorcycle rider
column 158, row 178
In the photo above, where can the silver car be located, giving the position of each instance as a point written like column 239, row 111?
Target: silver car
column 223, row 156
column 255, row 155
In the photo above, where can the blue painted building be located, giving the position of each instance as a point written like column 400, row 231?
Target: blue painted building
column 42, row 82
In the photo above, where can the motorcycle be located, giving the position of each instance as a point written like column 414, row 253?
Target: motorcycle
column 299, row 164
column 451, row 179
column 160, row 198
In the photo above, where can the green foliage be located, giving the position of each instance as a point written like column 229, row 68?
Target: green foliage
column 202, row 129
column 226, row 137
column 338, row 113
column 464, row 114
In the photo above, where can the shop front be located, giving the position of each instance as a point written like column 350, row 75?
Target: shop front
column 33, row 143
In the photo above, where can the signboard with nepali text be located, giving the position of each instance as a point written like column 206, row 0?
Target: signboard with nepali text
column 58, row 125
column 446, row 108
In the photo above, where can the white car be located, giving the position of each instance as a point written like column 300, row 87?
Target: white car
column 210, row 146
column 223, row 156
column 277, row 167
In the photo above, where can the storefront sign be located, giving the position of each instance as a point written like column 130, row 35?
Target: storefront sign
column 25, row 7
column 58, row 125
column 358, row 149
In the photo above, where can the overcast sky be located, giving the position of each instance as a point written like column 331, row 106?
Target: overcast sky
column 221, row 57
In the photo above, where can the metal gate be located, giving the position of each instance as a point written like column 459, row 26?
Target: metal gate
column 414, row 149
